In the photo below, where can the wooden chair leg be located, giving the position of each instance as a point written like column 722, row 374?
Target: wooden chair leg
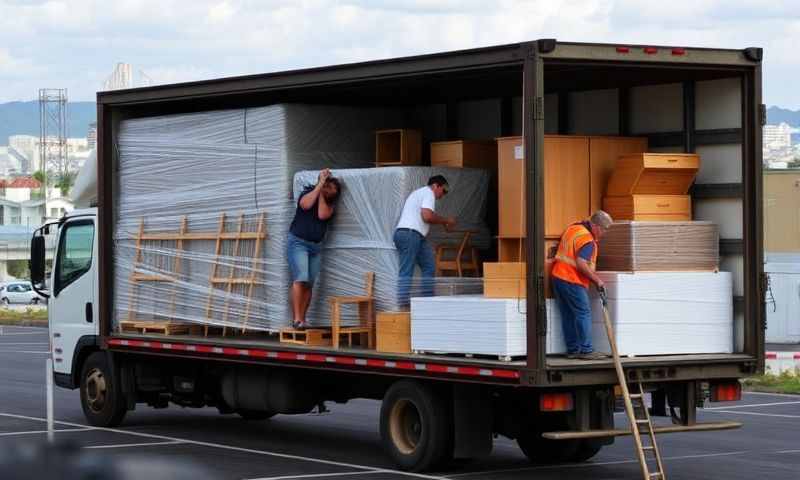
column 335, row 324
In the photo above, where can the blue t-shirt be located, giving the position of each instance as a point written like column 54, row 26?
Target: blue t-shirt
column 306, row 224
column 587, row 251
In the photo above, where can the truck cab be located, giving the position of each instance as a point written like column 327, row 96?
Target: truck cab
column 71, row 289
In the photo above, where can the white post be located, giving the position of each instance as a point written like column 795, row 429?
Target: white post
column 49, row 383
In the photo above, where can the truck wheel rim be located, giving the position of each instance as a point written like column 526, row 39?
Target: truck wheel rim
column 405, row 425
column 96, row 390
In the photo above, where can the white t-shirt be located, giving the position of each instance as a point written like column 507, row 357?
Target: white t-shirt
column 412, row 210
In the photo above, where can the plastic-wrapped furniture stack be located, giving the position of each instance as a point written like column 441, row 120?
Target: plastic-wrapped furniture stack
column 242, row 163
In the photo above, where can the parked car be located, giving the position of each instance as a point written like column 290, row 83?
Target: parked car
column 19, row 292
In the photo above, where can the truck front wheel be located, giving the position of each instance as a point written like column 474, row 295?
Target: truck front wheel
column 101, row 396
column 414, row 426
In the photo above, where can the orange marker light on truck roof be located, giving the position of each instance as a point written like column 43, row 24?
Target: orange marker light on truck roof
column 556, row 402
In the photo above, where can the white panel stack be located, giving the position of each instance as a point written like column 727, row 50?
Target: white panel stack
column 473, row 324
column 661, row 313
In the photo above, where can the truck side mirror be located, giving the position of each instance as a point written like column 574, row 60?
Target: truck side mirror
column 37, row 260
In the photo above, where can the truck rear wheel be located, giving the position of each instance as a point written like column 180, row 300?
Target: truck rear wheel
column 414, row 426
column 255, row 414
column 101, row 396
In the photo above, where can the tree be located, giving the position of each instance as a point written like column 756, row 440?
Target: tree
column 64, row 182
column 18, row 269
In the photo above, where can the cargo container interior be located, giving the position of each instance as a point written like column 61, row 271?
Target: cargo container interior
column 678, row 107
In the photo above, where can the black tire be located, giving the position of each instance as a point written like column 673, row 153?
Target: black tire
column 543, row 451
column 414, row 426
column 254, row 415
column 101, row 395
column 586, row 450
column 6, row 302
column 35, row 301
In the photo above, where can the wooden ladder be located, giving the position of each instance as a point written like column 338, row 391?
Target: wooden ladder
column 644, row 437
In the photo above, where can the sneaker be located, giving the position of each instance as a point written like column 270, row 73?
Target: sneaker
column 593, row 356
column 574, row 355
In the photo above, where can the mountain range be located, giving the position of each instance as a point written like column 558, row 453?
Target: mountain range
column 22, row 118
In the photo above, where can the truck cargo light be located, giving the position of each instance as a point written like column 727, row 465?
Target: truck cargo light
column 623, row 50
column 650, row 50
column 556, row 402
column 679, row 51
column 726, row 392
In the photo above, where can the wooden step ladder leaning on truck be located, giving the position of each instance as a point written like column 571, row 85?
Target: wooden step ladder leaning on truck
column 438, row 407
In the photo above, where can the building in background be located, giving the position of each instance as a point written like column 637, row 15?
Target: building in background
column 91, row 136
column 778, row 151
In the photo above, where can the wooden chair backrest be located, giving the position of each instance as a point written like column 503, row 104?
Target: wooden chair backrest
column 369, row 283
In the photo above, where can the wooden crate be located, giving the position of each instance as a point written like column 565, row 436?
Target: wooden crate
column 393, row 332
column 315, row 337
column 164, row 328
column 649, row 207
column 398, row 147
column 603, row 155
column 653, row 174
column 464, row 153
column 566, row 184
column 504, row 280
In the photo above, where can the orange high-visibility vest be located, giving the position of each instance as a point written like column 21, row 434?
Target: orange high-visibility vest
column 565, row 267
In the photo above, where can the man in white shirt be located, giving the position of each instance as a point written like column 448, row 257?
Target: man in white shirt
column 409, row 237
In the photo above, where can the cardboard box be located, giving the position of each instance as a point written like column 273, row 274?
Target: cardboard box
column 504, row 280
column 393, row 332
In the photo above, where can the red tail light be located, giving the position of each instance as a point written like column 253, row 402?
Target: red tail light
column 556, row 402
column 679, row 51
column 726, row 392
column 623, row 50
column 650, row 50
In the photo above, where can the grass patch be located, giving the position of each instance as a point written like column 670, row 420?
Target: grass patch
column 784, row 382
column 28, row 317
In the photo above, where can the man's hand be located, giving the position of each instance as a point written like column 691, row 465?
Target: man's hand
column 324, row 174
column 600, row 284
column 450, row 223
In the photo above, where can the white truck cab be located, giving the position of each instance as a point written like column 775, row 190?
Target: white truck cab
column 71, row 286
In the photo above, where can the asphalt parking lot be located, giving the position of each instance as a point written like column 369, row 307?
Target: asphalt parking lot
column 344, row 444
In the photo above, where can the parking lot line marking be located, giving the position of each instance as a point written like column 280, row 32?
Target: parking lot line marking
column 317, row 475
column 592, row 464
column 787, row 395
column 757, row 413
column 30, row 432
column 233, row 448
column 22, row 351
column 6, row 334
column 127, row 445
column 753, row 405
column 23, row 343
column 789, row 451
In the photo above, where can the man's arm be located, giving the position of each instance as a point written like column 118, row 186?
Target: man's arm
column 584, row 268
column 430, row 217
column 324, row 210
column 307, row 200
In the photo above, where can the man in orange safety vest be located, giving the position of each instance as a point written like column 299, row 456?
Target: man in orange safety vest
column 572, row 274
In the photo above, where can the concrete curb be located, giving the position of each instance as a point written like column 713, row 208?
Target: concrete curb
column 23, row 323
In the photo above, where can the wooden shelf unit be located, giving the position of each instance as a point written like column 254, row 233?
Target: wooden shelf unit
column 464, row 154
column 398, row 147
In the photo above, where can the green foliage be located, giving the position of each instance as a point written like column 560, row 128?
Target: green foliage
column 30, row 315
column 18, row 269
column 38, row 175
column 784, row 382
column 64, row 182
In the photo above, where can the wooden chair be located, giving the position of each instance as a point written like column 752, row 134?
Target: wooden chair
column 464, row 257
column 366, row 315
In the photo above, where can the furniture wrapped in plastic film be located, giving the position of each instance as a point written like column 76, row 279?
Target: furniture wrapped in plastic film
column 659, row 246
column 652, row 313
column 203, row 203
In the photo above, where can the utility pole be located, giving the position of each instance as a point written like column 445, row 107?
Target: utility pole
column 53, row 154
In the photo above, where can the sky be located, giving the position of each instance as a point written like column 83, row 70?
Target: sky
column 76, row 44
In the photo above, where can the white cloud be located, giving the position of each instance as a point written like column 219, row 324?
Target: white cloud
column 179, row 40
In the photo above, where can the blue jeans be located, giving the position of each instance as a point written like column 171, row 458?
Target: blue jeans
column 413, row 250
column 305, row 259
column 576, row 315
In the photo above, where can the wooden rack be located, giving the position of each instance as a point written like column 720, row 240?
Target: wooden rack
column 241, row 274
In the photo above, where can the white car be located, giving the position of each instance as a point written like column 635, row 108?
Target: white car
column 19, row 292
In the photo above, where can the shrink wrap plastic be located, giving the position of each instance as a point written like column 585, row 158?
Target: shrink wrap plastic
column 180, row 173
column 659, row 246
